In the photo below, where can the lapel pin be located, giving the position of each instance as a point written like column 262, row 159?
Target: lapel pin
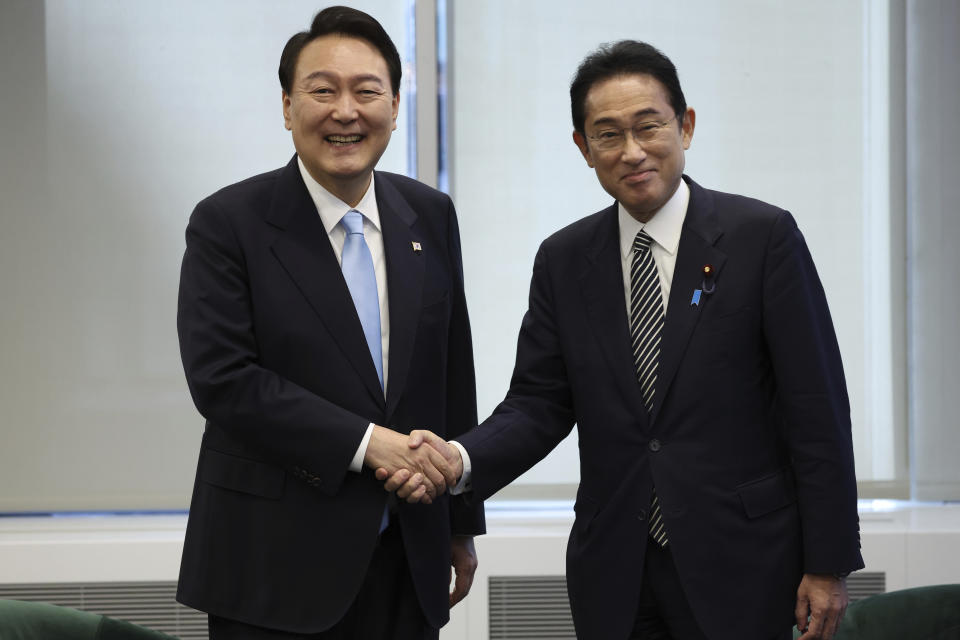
column 416, row 247
column 708, row 285
column 696, row 298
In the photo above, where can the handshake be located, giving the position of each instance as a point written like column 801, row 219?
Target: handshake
column 418, row 467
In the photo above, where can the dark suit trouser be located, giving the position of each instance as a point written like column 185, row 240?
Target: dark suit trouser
column 385, row 609
column 664, row 612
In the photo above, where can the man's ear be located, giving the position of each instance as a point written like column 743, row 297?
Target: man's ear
column 396, row 109
column 286, row 111
column 689, row 120
column 581, row 143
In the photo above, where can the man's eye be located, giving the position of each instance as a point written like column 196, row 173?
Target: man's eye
column 608, row 135
column 322, row 90
column 648, row 127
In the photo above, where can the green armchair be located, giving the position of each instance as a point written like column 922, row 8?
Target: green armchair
column 21, row 620
column 921, row 613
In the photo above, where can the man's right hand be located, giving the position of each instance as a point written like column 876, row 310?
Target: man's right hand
column 422, row 473
column 409, row 485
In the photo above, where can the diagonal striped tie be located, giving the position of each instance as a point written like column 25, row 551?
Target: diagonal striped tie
column 646, row 329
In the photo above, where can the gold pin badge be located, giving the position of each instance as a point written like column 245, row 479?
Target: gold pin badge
column 416, row 247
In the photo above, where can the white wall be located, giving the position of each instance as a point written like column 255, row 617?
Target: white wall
column 933, row 166
column 118, row 117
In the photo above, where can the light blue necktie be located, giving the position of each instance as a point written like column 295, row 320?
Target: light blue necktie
column 357, row 265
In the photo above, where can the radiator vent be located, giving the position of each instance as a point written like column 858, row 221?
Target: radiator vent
column 524, row 607
column 148, row 604
column 866, row 583
column 534, row 607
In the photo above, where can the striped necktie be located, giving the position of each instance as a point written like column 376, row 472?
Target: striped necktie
column 646, row 330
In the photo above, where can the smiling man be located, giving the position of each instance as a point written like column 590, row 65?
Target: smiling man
column 686, row 333
column 321, row 317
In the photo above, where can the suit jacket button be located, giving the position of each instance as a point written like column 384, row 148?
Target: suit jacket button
column 654, row 445
column 642, row 515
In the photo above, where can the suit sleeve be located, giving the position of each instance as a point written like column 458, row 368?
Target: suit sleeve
column 538, row 410
column 281, row 420
column 812, row 399
column 466, row 512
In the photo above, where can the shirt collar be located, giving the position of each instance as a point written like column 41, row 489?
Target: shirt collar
column 332, row 209
column 664, row 226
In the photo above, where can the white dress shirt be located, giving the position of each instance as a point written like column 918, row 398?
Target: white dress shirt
column 664, row 228
column 331, row 210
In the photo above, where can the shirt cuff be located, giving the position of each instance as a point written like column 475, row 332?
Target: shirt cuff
column 464, row 484
column 356, row 465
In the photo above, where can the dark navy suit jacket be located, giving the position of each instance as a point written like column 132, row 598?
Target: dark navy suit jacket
column 749, row 440
column 280, row 531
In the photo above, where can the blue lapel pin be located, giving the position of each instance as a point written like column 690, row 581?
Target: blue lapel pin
column 707, row 286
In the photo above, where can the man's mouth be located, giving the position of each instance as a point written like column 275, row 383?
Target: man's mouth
column 339, row 140
column 638, row 176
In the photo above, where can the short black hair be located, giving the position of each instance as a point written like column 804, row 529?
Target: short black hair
column 347, row 22
column 626, row 57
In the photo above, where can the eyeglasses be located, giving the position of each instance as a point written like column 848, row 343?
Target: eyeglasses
column 614, row 138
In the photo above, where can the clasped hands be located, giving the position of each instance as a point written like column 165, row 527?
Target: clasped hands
column 416, row 473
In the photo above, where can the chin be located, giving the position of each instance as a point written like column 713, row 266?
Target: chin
column 350, row 172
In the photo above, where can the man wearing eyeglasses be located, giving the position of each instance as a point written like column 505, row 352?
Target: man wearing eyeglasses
column 685, row 331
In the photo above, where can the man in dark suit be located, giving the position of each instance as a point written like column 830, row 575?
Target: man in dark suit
column 321, row 317
column 685, row 331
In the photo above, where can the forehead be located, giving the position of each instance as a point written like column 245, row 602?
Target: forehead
column 341, row 56
column 623, row 97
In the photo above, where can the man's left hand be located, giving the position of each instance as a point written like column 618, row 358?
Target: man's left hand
column 464, row 562
column 821, row 602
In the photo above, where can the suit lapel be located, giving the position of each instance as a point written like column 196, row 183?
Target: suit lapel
column 701, row 230
column 603, row 296
column 405, row 270
column 303, row 248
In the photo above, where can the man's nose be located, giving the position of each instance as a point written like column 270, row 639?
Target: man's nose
column 345, row 108
column 632, row 151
